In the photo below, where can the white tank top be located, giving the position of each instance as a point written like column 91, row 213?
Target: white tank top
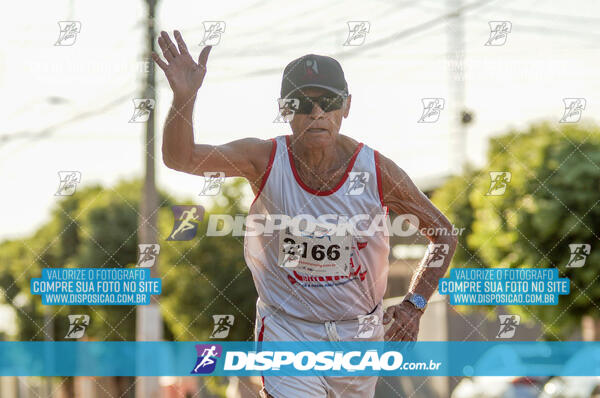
column 310, row 288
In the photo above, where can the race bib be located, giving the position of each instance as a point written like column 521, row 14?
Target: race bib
column 317, row 253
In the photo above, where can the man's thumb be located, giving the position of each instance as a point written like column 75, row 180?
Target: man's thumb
column 388, row 315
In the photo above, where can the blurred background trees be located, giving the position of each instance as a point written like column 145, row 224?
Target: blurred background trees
column 97, row 227
column 552, row 200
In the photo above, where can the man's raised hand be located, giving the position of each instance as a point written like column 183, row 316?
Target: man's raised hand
column 185, row 76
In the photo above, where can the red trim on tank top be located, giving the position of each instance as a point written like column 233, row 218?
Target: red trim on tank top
column 379, row 180
column 314, row 191
column 260, row 338
column 262, row 329
column 268, row 170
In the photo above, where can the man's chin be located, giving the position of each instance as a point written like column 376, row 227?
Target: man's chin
column 317, row 139
column 313, row 131
column 320, row 135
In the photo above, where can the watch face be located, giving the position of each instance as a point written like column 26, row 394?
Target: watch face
column 418, row 301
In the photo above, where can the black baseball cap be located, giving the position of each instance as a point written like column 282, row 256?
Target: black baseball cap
column 313, row 70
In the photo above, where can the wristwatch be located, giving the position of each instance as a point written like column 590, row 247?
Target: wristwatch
column 417, row 300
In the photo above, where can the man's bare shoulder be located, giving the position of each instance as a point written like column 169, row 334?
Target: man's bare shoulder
column 348, row 143
column 259, row 149
column 394, row 178
column 255, row 146
column 348, row 140
column 245, row 157
column 392, row 167
column 258, row 152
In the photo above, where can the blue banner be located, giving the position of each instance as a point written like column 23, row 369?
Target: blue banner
column 504, row 286
column 299, row 358
column 95, row 286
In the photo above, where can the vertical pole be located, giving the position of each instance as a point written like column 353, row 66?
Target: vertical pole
column 455, row 57
column 148, row 317
column 48, row 336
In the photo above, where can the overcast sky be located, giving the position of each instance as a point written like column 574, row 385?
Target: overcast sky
column 551, row 53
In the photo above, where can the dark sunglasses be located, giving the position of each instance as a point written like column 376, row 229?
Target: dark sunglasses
column 327, row 102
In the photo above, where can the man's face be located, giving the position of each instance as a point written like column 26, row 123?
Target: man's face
column 319, row 127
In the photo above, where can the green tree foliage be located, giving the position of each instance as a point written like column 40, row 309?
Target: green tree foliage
column 207, row 276
column 453, row 201
column 552, row 200
column 97, row 227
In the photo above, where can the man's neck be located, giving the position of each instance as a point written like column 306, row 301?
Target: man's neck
column 321, row 167
column 321, row 159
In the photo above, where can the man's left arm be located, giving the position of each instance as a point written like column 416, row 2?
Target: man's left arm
column 402, row 196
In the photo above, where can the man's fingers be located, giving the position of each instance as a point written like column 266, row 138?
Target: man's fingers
column 391, row 332
column 406, row 336
column 203, row 57
column 162, row 64
column 403, row 327
column 180, row 43
column 165, row 50
column 398, row 335
column 170, row 45
column 401, row 333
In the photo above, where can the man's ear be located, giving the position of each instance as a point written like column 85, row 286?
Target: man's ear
column 348, row 101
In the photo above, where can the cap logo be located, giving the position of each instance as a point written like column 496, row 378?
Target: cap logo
column 310, row 67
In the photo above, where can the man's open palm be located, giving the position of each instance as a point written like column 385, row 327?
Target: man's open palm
column 185, row 76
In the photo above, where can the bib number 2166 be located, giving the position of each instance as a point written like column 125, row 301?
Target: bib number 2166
column 326, row 255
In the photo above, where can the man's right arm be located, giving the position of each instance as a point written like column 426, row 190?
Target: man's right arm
column 246, row 157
